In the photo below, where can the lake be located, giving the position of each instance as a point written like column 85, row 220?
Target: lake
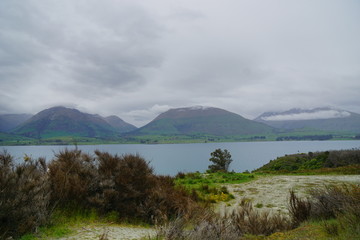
column 169, row 159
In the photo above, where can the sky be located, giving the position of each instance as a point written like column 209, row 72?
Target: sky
column 136, row 59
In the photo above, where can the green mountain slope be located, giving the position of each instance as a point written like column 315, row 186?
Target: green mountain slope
column 61, row 121
column 201, row 120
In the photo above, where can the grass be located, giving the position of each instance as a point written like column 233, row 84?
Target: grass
column 63, row 222
column 316, row 230
column 209, row 187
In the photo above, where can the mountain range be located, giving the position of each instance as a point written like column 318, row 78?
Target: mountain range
column 198, row 122
column 324, row 119
column 202, row 120
column 61, row 121
column 11, row 121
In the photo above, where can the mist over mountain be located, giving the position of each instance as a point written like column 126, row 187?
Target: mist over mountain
column 202, row 120
column 11, row 121
column 325, row 119
column 198, row 123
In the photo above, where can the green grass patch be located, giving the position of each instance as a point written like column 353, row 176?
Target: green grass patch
column 64, row 221
column 318, row 230
column 210, row 187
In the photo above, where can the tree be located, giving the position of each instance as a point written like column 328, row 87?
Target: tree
column 221, row 160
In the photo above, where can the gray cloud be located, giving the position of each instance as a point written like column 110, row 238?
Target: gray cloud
column 138, row 58
column 322, row 114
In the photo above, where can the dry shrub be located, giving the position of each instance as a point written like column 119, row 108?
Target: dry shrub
column 125, row 184
column 166, row 201
column 73, row 177
column 129, row 186
column 251, row 221
column 209, row 225
column 332, row 200
column 299, row 209
column 338, row 201
column 25, row 195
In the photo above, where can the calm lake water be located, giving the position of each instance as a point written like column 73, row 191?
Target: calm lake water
column 169, row 159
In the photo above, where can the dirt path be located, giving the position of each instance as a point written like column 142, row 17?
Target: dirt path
column 272, row 192
column 110, row 232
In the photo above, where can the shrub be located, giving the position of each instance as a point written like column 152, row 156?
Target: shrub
column 341, row 202
column 332, row 200
column 111, row 183
column 167, row 201
column 73, row 176
column 299, row 209
column 337, row 205
column 250, row 221
column 209, row 225
column 124, row 186
column 25, row 195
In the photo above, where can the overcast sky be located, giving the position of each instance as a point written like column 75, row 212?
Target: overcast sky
column 138, row 58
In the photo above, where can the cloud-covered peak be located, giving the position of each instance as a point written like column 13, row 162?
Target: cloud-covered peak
column 306, row 114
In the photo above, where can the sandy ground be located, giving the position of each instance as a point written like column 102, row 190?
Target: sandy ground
column 272, row 192
column 267, row 193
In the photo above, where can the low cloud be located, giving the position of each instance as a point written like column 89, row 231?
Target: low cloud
column 324, row 114
column 135, row 58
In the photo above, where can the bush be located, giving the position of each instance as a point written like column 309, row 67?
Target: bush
column 73, row 176
column 25, row 195
column 111, row 183
column 125, row 184
column 209, row 225
column 299, row 209
column 340, row 203
column 167, row 201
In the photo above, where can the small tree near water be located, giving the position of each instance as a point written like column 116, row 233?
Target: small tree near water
column 221, row 160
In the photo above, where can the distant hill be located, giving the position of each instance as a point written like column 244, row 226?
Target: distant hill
column 202, row 120
column 61, row 121
column 315, row 160
column 324, row 119
column 120, row 124
column 11, row 121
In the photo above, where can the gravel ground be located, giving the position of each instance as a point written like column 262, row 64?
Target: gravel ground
column 111, row 232
column 272, row 192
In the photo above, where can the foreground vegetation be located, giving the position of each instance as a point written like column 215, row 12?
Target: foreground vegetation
column 209, row 187
column 331, row 212
column 74, row 182
column 44, row 200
